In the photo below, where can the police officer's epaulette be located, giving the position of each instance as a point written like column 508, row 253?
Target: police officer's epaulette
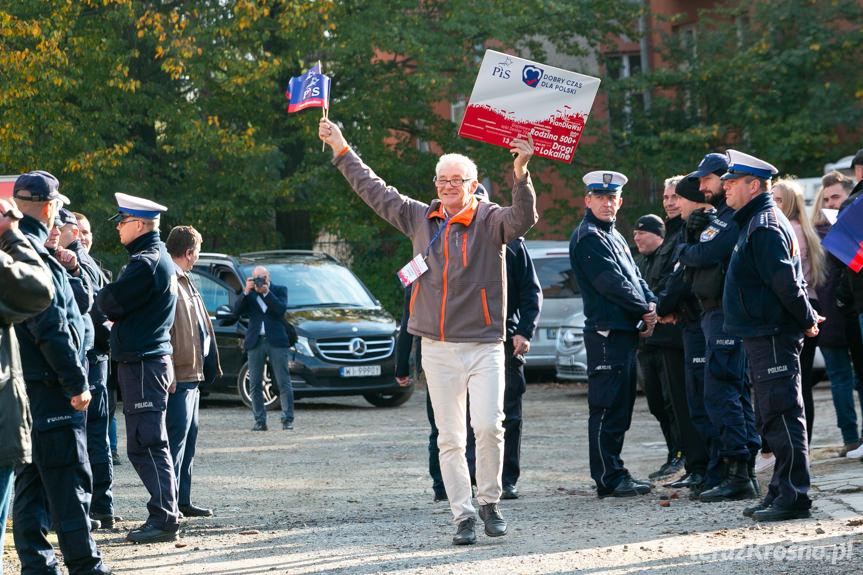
column 588, row 229
column 764, row 219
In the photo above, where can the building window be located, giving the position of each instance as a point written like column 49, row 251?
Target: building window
column 456, row 110
column 623, row 105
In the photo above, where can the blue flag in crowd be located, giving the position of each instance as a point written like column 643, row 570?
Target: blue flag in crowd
column 845, row 239
column 311, row 90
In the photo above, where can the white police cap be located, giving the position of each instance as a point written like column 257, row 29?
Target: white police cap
column 604, row 182
column 135, row 207
column 740, row 164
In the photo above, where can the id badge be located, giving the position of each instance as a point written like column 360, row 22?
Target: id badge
column 414, row 269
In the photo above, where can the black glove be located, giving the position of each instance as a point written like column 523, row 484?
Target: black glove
column 695, row 224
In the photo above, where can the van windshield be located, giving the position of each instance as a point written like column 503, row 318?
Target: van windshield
column 317, row 284
column 556, row 278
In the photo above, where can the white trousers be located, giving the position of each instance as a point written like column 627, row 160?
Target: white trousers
column 452, row 371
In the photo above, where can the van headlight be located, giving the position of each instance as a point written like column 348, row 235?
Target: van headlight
column 570, row 338
column 303, row 346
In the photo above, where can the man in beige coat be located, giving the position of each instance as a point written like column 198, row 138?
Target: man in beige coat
column 458, row 307
column 196, row 360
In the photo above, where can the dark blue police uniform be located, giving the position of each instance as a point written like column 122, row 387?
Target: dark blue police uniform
column 766, row 304
column 726, row 388
column 98, row 421
column 53, row 492
column 141, row 303
column 615, row 298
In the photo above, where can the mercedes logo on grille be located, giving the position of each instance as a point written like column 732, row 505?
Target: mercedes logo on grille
column 357, row 347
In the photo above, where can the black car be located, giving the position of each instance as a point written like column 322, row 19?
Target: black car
column 346, row 340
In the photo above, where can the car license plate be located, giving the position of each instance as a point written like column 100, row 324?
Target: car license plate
column 360, row 371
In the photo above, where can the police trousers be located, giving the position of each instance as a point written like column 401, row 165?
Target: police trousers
column 774, row 364
column 612, row 375
column 727, row 394
column 53, row 492
column 144, row 386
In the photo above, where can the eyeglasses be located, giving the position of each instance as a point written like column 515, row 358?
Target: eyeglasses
column 454, row 182
column 121, row 223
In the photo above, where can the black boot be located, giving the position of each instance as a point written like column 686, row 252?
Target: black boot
column 736, row 484
column 750, row 468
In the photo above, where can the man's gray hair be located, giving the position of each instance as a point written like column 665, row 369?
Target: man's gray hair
column 459, row 159
column 672, row 182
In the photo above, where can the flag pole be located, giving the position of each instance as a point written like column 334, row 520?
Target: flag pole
column 324, row 109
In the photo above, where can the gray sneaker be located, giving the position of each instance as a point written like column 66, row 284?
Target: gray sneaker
column 466, row 535
column 495, row 526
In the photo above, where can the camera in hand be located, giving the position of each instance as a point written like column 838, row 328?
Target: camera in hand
column 260, row 281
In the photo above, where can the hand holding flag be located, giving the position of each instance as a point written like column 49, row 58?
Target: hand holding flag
column 311, row 90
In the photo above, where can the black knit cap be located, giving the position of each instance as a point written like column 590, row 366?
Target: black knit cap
column 651, row 223
column 688, row 188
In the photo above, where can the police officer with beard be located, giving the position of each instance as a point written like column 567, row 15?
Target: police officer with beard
column 141, row 303
column 766, row 304
column 710, row 239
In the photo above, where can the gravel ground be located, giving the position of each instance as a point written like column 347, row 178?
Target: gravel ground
column 348, row 492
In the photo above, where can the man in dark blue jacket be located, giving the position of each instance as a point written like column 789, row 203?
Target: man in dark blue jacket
column 58, row 481
column 267, row 336
column 141, row 303
column 766, row 304
column 710, row 239
column 617, row 305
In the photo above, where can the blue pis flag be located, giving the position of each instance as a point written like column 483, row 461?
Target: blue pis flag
column 845, row 239
column 311, row 90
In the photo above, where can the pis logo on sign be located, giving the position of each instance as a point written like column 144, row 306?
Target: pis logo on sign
column 531, row 75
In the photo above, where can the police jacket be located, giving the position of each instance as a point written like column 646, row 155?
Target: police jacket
column 101, row 324
column 25, row 289
column 461, row 298
column 141, row 302
column 708, row 259
column 51, row 344
column 765, row 292
column 85, row 291
column 273, row 320
column 614, row 293
column 523, row 292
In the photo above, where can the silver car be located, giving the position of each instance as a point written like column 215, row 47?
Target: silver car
column 571, row 353
column 561, row 299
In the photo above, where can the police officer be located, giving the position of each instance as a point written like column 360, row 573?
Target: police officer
column 710, row 239
column 677, row 304
column 765, row 303
column 98, row 450
column 617, row 304
column 141, row 303
column 58, row 481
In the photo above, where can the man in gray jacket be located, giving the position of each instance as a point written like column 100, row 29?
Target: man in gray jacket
column 25, row 290
column 458, row 307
